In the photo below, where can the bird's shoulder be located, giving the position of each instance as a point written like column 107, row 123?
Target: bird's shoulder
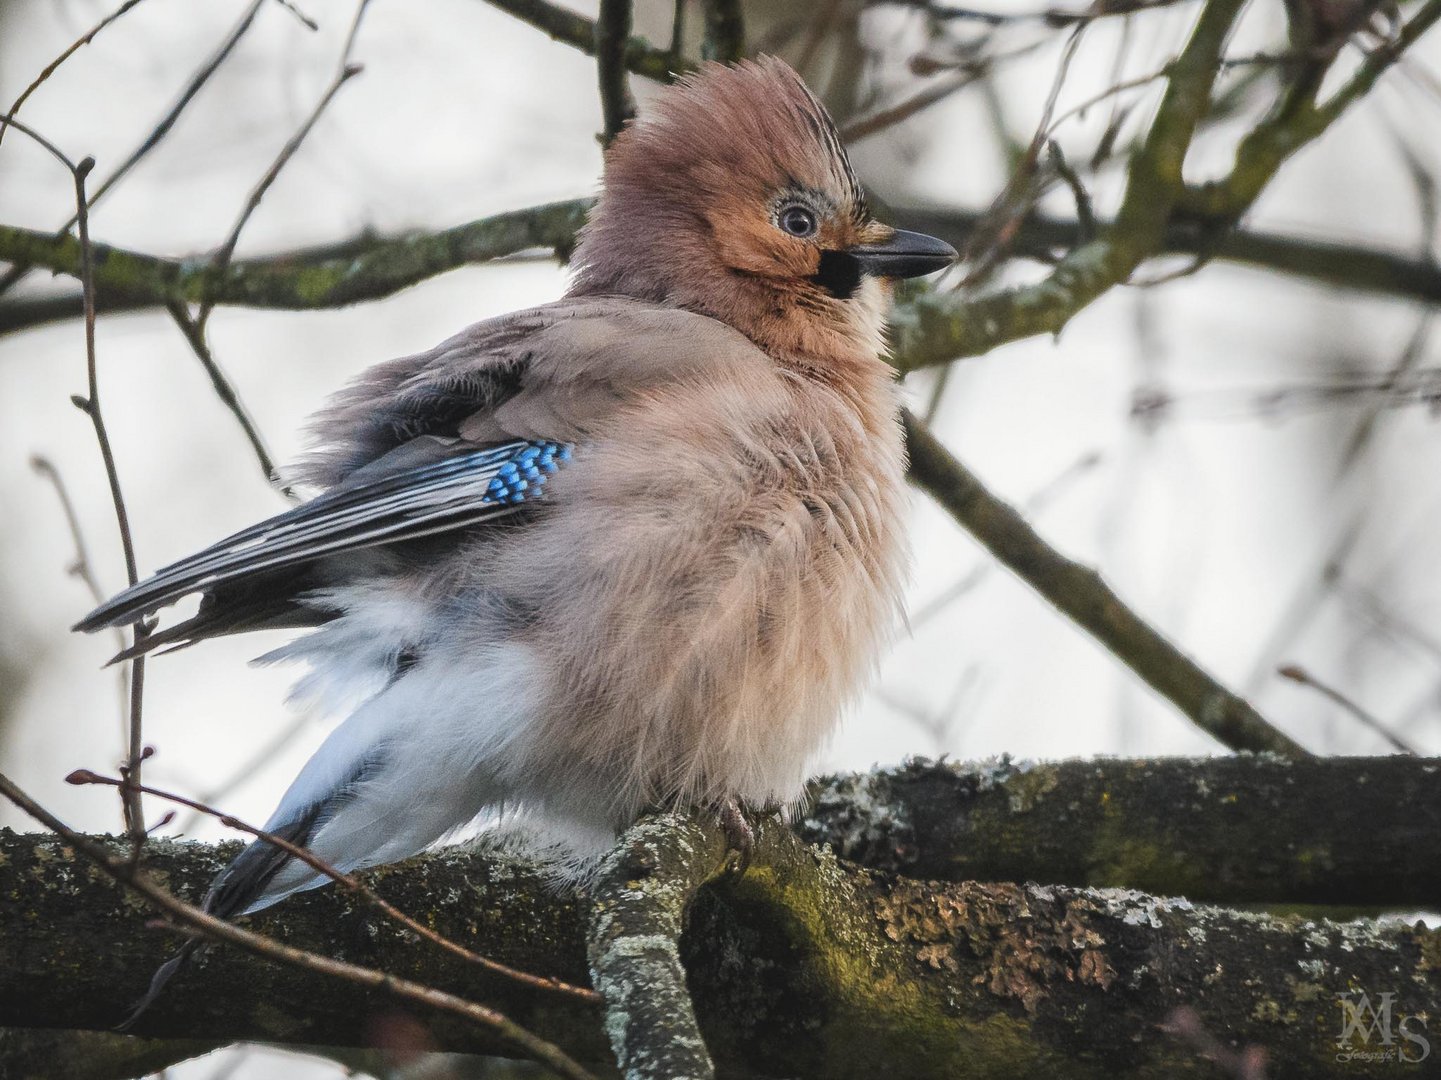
column 549, row 372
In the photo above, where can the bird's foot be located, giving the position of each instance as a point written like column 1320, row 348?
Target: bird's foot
column 740, row 837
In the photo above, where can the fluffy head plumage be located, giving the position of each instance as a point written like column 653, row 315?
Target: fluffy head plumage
column 691, row 209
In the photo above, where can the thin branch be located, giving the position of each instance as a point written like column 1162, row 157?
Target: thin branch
column 641, row 57
column 944, row 12
column 90, row 405
column 195, row 336
column 1080, row 593
column 1297, row 674
column 127, row 873
column 349, row 884
column 1292, row 125
column 82, row 568
column 724, row 39
column 172, row 115
column 612, row 30
column 79, row 43
column 344, row 73
column 863, row 127
column 369, row 267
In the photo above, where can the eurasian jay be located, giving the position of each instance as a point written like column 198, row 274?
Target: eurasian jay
column 636, row 547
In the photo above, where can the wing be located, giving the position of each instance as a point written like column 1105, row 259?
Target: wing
column 465, row 487
column 448, row 439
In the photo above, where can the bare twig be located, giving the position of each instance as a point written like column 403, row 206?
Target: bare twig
column 1297, row 674
column 50, row 68
column 351, row 885
column 945, row 12
column 1085, row 215
column 195, row 336
column 187, row 95
column 90, row 405
column 863, row 127
column 991, row 242
column 1081, row 594
column 128, row 873
column 612, row 29
column 344, row 73
column 81, row 567
column 157, row 134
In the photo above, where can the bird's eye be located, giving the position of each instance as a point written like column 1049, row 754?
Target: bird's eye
column 798, row 221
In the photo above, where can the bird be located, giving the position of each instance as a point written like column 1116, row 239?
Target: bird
column 638, row 547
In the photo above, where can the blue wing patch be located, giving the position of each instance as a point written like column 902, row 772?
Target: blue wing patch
column 463, row 488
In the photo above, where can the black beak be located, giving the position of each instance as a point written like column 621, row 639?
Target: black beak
column 904, row 255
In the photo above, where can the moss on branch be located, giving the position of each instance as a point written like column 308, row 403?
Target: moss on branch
column 329, row 278
column 805, row 966
column 930, row 328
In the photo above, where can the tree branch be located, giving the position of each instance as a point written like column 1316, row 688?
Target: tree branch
column 35, row 1054
column 641, row 57
column 939, row 327
column 278, row 278
column 612, row 30
column 639, row 904
column 1081, row 594
column 1326, row 262
column 325, row 278
column 1225, row 830
column 724, row 39
column 128, row 875
column 803, row 967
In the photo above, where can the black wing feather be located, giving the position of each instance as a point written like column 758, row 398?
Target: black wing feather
column 465, row 487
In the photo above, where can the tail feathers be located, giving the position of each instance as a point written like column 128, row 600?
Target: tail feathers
column 235, row 888
column 163, row 974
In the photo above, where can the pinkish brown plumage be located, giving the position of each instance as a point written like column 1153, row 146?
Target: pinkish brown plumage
column 684, row 612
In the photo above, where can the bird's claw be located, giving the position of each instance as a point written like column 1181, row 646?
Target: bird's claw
column 740, row 837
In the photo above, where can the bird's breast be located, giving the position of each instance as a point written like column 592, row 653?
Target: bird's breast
column 713, row 584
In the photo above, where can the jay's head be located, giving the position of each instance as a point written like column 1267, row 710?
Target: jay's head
column 732, row 196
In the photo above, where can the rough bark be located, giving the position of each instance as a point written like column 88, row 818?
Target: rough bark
column 805, row 966
column 35, row 1054
column 1260, row 829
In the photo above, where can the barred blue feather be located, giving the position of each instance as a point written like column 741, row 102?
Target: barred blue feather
column 462, row 489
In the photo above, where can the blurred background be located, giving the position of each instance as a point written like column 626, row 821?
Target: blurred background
column 1233, row 448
